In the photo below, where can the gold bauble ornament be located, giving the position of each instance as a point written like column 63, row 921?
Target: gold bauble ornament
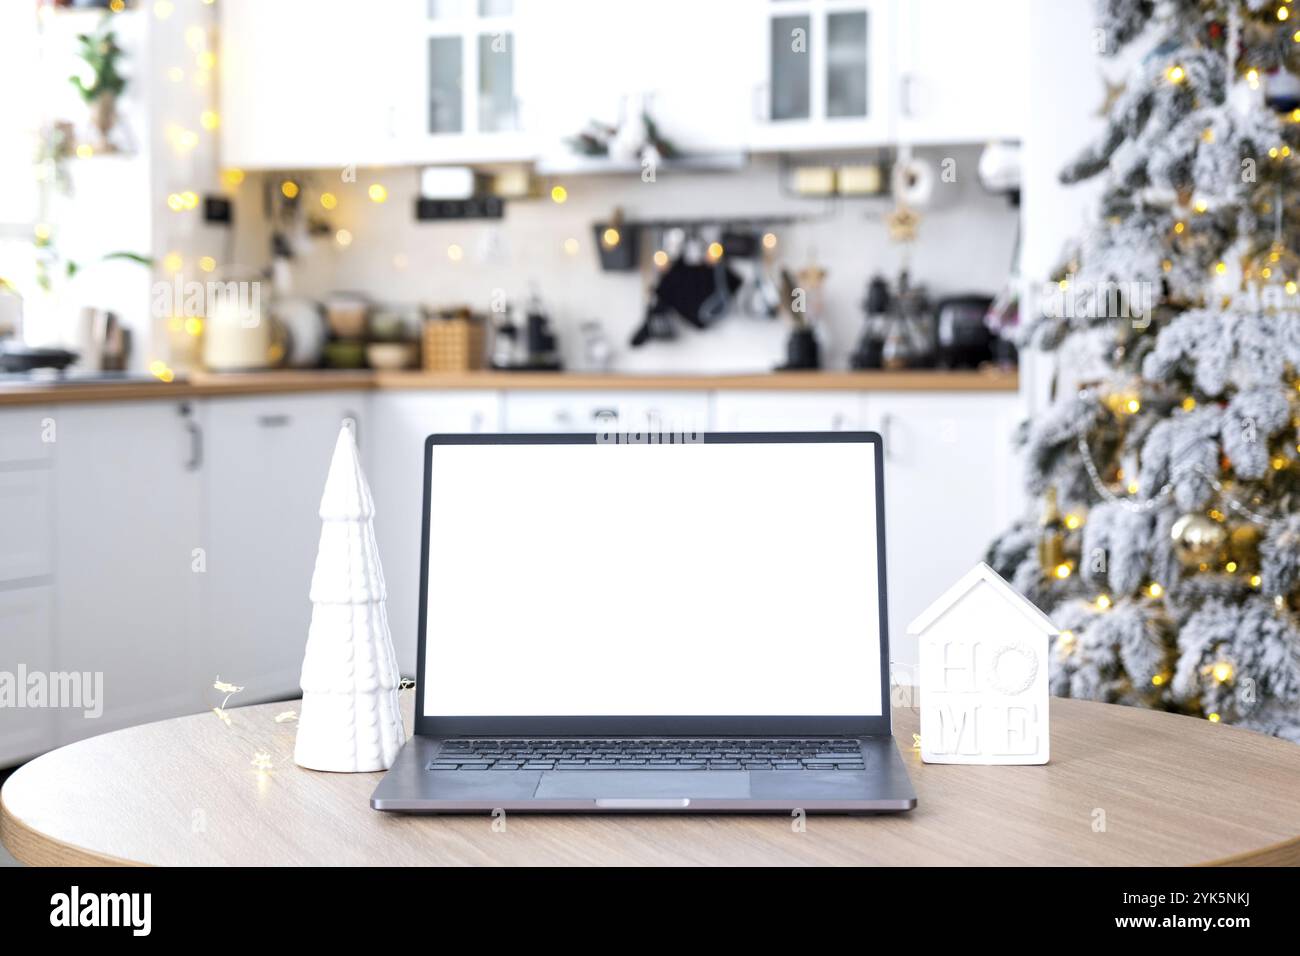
column 1197, row 539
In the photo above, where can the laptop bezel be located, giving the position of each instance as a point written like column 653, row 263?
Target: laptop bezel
column 656, row 726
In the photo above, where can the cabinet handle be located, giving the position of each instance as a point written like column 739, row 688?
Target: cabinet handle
column 353, row 421
column 195, row 461
column 906, row 91
column 761, row 101
column 887, row 434
column 610, row 413
column 272, row 421
column 837, row 422
column 476, row 422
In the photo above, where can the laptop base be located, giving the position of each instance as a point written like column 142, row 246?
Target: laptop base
column 411, row 787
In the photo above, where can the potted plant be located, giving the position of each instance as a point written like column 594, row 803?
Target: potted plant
column 100, row 81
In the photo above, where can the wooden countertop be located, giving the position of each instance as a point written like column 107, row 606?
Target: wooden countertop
column 1124, row 787
column 202, row 384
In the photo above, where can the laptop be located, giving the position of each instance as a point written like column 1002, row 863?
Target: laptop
column 669, row 623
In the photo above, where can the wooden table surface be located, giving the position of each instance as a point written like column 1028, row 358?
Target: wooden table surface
column 1124, row 786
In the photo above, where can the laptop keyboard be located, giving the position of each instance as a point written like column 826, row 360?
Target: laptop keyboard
column 639, row 754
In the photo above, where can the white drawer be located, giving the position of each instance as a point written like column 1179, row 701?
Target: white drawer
column 27, row 434
column 788, row 411
column 25, row 549
column 596, row 411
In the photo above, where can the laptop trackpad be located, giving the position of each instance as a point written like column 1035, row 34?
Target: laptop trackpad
column 643, row 784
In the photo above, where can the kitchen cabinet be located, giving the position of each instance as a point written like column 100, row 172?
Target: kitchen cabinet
column 25, row 512
column 950, row 486
column 825, row 75
column 162, row 544
column 321, row 83
column 688, row 63
column 324, row 83
column 962, row 70
column 27, row 647
column 26, row 567
column 400, row 422
column 309, row 83
column 596, row 411
column 27, row 436
column 265, row 460
column 788, row 411
column 127, row 521
column 460, row 76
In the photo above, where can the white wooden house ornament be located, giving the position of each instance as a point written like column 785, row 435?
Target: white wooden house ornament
column 350, row 720
column 983, row 674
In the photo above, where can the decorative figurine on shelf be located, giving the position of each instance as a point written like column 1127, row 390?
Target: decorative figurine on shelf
column 350, row 720
column 983, row 654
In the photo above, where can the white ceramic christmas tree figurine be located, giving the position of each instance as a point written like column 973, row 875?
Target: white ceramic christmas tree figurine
column 349, row 720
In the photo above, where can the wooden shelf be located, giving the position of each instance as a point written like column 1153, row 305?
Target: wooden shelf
column 205, row 384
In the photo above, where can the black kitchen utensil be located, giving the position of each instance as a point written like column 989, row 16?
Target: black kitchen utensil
column 802, row 351
column 15, row 357
column 621, row 255
column 963, row 338
column 698, row 293
column 657, row 326
column 741, row 245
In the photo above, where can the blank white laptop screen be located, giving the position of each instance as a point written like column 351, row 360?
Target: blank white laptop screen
column 653, row 580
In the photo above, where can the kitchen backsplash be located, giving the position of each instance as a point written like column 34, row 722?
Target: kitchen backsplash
column 966, row 243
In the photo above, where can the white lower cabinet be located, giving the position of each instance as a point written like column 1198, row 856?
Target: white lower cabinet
column 26, row 569
column 265, row 460
column 400, row 423
column 161, row 544
column 606, row 411
column 26, row 647
column 950, row 487
column 787, row 411
column 127, row 518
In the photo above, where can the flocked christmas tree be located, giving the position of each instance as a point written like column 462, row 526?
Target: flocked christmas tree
column 1167, row 548
column 350, row 720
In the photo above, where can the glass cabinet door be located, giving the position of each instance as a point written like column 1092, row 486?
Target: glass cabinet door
column 446, row 89
column 790, row 90
column 821, row 69
column 846, row 63
column 470, row 67
column 496, row 82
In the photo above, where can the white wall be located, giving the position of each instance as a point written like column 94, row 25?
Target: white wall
column 1066, row 90
column 965, row 245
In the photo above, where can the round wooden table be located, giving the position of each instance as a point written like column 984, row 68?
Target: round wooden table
column 1124, row 786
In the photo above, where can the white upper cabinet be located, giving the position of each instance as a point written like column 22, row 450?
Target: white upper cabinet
column 688, row 64
column 318, row 83
column 305, row 84
column 825, row 75
column 459, row 72
column 962, row 74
